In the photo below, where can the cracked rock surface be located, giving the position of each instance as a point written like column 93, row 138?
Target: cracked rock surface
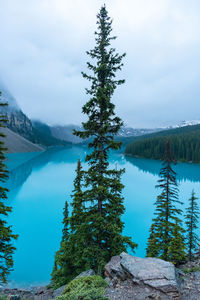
column 137, row 278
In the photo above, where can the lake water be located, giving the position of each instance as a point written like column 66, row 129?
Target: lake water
column 40, row 183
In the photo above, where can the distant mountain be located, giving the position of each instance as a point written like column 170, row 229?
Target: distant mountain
column 183, row 124
column 134, row 132
column 16, row 143
column 20, row 124
column 43, row 135
column 126, row 133
column 66, row 132
column 185, row 144
column 17, row 121
column 129, row 131
column 39, row 133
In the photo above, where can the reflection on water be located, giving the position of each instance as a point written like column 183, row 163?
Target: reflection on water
column 21, row 165
column 185, row 171
column 40, row 183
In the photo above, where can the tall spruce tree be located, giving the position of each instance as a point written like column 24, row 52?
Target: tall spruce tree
column 6, row 235
column 63, row 268
column 192, row 218
column 103, row 200
column 167, row 223
column 66, row 263
column 77, row 228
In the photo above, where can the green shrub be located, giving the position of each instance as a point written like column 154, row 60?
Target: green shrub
column 85, row 288
column 190, row 270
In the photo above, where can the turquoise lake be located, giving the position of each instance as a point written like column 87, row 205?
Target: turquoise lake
column 40, row 183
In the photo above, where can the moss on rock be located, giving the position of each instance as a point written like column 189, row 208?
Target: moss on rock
column 85, row 288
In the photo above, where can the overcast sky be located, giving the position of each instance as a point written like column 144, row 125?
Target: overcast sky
column 42, row 54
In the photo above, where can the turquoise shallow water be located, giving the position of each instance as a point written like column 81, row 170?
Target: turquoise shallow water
column 40, row 183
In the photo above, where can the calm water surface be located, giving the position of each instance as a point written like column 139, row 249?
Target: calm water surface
column 40, row 183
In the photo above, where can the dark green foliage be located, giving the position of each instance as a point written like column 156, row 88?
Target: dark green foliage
column 66, row 264
column 167, row 230
column 95, row 226
column 185, row 144
column 152, row 244
column 191, row 270
column 63, row 267
column 85, row 288
column 78, row 206
column 102, row 226
column 77, row 228
column 192, row 217
column 6, row 235
column 177, row 246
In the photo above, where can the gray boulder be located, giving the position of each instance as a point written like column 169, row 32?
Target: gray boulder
column 43, row 293
column 137, row 278
column 59, row 291
column 86, row 273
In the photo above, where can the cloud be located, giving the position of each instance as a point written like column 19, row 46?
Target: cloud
column 42, row 54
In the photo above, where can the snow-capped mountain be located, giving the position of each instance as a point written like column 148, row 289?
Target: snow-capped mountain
column 184, row 123
column 66, row 132
column 129, row 131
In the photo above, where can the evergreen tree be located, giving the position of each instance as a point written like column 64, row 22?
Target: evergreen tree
column 6, row 235
column 152, row 244
column 167, row 223
column 176, row 250
column 102, row 226
column 63, row 268
column 185, row 144
column 77, row 196
column 192, row 217
column 67, row 256
column 77, row 228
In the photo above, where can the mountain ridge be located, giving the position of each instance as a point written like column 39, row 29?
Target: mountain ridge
column 22, row 126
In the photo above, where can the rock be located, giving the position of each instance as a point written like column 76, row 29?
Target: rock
column 197, row 275
column 59, row 291
column 16, row 294
column 36, row 293
column 141, row 278
column 114, row 268
column 86, row 273
column 190, row 286
column 43, row 293
column 15, row 297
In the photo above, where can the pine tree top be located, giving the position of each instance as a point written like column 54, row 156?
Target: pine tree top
column 102, row 121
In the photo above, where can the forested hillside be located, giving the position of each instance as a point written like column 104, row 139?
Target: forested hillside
column 42, row 135
column 185, row 144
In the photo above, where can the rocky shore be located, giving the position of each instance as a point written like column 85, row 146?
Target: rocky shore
column 135, row 278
